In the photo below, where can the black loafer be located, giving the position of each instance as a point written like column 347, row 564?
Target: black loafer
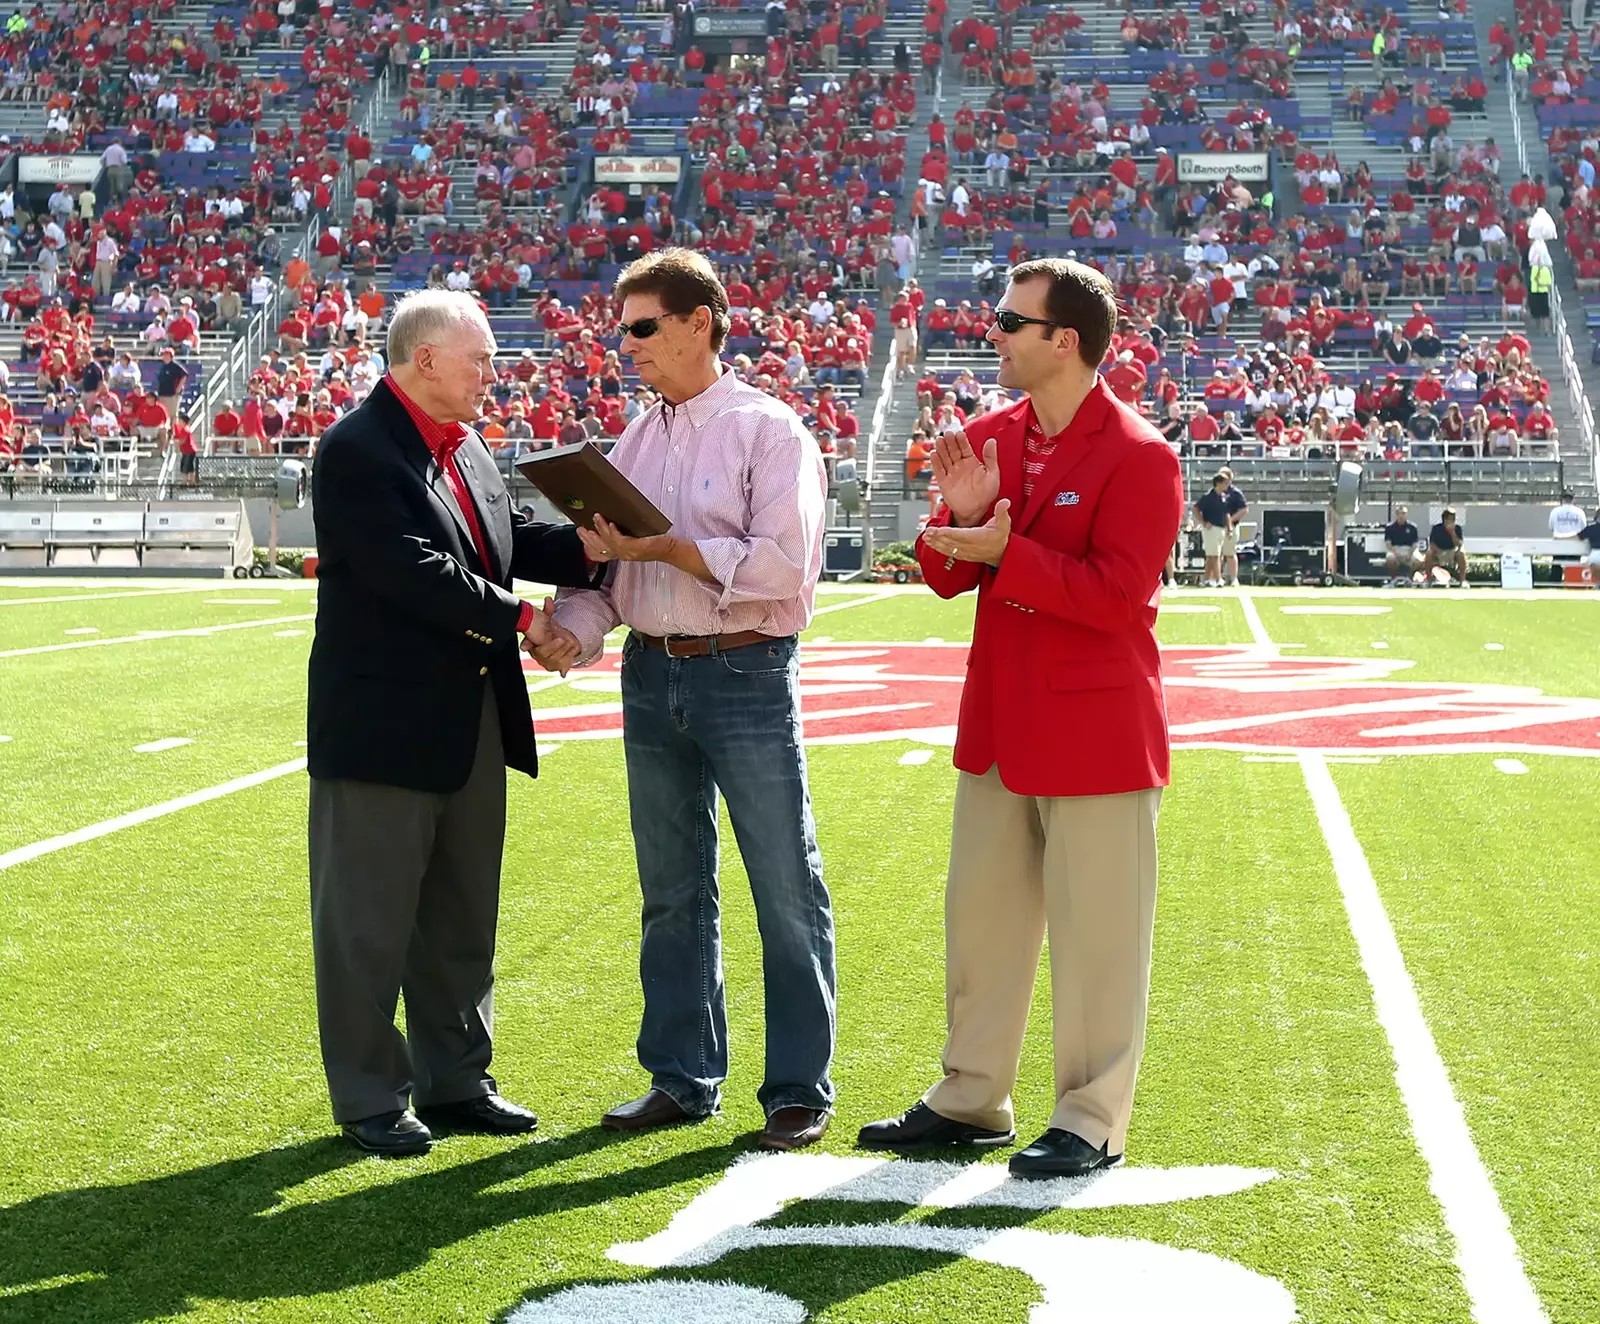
column 1061, row 1154
column 921, row 1127
column 390, row 1135
column 488, row 1114
column 647, row 1112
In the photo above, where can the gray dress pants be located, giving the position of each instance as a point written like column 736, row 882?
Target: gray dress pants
column 405, row 894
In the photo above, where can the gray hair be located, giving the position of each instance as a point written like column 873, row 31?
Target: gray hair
column 424, row 316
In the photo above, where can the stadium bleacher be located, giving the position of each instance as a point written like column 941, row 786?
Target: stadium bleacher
column 1077, row 157
column 1346, row 170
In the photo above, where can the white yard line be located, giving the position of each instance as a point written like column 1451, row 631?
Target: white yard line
column 163, row 745
column 1353, row 610
column 1252, row 619
column 1483, row 593
column 102, row 597
column 197, row 632
column 854, row 602
column 133, row 819
column 1486, row 1252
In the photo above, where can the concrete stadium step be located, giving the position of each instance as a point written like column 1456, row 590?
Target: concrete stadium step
column 22, row 119
column 558, row 58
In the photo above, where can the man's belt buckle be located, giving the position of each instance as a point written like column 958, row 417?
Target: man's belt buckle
column 690, row 640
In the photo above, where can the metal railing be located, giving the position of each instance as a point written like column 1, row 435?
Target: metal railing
column 260, row 332
column 885, row 402
column 880, row 422
column 1309, row 480
column 1571, row 371
column 113, row 464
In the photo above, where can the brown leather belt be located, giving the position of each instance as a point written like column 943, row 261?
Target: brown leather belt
column 703, row 645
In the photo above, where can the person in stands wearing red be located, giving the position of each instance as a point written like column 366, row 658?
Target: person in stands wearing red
column 227, row 427
column 1060, row 510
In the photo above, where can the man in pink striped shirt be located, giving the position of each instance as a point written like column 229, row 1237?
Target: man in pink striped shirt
column 711, row 703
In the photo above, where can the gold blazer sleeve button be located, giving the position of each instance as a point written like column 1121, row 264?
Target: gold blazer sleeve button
column 483, row 671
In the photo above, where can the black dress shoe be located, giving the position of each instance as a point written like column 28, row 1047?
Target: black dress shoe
column 656, row 1108
column 1061, row 1154
column 794, row 1127
column 390, row 1135
column 921, row 1127
column 488, row 1114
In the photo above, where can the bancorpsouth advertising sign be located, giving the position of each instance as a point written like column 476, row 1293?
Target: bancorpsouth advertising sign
column 76, row 169
column 730, row 25
column 637, row 169
column 1214, row 167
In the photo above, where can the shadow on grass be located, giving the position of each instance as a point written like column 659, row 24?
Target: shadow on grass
column 147, row 1249
column 821, row 1277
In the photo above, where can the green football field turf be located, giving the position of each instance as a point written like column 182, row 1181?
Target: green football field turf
column 168, row 1152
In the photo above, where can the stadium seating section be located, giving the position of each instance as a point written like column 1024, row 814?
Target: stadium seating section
column 1361, row 248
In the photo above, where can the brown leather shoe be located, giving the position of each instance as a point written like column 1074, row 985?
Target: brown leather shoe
column 657, row 1108
column 794, row 1127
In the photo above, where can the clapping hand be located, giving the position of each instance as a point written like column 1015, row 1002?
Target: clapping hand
column 552, row 646
column 967, row 484
column 985, row 543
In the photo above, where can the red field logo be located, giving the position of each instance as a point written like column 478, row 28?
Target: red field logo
column 1236, row 697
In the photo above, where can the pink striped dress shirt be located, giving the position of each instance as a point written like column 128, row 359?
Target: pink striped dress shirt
column 736, row 471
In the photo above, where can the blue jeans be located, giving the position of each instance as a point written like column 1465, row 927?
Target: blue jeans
column 693, row 727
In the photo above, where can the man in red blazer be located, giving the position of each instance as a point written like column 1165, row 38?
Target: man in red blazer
column 1060, row 511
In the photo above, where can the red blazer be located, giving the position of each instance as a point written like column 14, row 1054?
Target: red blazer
column 1063, row 685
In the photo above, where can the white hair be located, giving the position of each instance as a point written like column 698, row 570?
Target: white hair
column 423, row 316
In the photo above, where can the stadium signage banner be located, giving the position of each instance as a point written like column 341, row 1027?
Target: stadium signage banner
column 637, row 169
column 1214, row 167
column 78, row 169
column 730, row 25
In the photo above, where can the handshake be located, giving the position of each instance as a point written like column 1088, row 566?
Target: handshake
column 552, row 646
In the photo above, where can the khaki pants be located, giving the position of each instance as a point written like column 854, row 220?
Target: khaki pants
column 1085, row 867
column 104, row 274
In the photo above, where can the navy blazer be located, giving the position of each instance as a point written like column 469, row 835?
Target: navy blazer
column 410, row 623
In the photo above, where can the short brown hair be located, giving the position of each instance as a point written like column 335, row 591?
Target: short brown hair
column 1079, row 297
column 683, row 280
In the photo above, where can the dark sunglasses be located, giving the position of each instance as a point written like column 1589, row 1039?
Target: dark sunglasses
column 644, row 328
column 1011, row 322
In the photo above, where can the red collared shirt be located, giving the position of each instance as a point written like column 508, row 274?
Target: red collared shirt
column 442, row 441
column 1036, row 452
